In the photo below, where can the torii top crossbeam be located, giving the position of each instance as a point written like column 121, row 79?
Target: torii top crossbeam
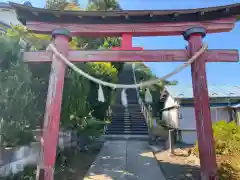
column 138, row 23
column 134, row 23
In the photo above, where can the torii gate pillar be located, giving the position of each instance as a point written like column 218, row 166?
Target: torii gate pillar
column 201, row 103
column 53, row 107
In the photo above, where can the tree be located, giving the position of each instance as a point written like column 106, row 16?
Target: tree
column 24, row 87
column 103, row 5
column 143, row 73
column 108, row 42
column 72, row 6
column 74, row 2
column 76, row 99
column 99, row 109
column 18, row 107
column 56, row 4
column 88, row 42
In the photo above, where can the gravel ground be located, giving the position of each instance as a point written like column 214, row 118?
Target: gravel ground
column 179, row 166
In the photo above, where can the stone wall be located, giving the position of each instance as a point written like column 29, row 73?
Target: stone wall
column 13, row 160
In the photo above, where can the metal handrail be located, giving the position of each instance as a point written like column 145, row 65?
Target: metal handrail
column 145, row 110
column 109, row 113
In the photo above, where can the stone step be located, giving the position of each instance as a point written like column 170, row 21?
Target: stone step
column 124, row 127
column 128, row 115
column 133, row 117
column 129, row 126
column 142, row 123
column 130, row 129
column 127, row 118
column 126, row 137
column 129, row 123
column 128, row 132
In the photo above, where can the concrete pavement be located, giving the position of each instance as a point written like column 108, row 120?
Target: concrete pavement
column 125, row 160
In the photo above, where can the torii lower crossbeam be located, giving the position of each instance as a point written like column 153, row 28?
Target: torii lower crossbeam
column 134, row 56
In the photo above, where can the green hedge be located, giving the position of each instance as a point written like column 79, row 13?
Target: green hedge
column 227, row 145
column 23, row 87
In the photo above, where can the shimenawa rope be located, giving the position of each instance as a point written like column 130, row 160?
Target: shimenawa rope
column 126, row 86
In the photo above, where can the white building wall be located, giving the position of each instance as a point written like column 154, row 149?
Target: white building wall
column 189, row 137
column 187, row 120
column 8, row 16
column 222, row 114
column 187, row 123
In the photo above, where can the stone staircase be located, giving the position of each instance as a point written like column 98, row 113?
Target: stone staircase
column 130, row 120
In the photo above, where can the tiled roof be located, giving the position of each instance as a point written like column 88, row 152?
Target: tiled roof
column 5, row 5
column 27, row 13
column 236, row 106
column 215, row 91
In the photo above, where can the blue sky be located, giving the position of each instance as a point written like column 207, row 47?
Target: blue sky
column 217, row 73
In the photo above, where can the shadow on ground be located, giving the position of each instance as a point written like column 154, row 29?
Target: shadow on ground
column 177, row 166
column 134, row 160
column 123, row 160
column 76, row 164
column 179, row 172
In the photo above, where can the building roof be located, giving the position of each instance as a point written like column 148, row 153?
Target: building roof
column 4, row 26
column 5, row 5
column 215, row 91
column 235, row 106
column 27, row 13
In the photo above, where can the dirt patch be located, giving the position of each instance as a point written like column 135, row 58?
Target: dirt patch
column 179, row 166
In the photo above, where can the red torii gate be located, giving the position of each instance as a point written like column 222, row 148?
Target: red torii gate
column 192, row 24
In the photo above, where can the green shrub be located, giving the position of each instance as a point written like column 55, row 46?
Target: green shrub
column 229, row 167
column 14, row 134
column 23, row 88
column 29, row 173
column 227, row 145
column 90, row 126
column 18, row 107
column 227, row 137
